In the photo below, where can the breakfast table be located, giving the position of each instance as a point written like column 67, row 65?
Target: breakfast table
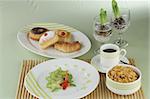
column 14, row 15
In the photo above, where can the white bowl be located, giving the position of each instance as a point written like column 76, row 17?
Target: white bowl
column 124, row 88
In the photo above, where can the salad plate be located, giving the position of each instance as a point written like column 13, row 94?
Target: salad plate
column 85, row 78
column 33, row 46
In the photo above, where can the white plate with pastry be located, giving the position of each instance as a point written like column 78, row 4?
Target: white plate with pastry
column 54, row 40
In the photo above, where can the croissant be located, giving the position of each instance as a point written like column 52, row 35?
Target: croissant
column 67, row 47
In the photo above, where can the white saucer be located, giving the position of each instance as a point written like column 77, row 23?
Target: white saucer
column 95, row 61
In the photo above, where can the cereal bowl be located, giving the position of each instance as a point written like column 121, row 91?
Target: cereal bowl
column 127, row 84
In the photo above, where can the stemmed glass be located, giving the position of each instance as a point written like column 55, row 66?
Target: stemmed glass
column 101, row 33
column 120, row 25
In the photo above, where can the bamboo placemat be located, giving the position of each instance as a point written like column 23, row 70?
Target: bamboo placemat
column 101, row 92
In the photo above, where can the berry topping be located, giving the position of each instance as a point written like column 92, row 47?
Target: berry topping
column 45, row 34
column 62, row 33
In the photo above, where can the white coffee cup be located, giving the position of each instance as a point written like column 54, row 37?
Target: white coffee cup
column 110, row 55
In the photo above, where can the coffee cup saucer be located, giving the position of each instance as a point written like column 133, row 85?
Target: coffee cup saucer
column 95, row 61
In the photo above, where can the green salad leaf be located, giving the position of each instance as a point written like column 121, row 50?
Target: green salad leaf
column 56, row 78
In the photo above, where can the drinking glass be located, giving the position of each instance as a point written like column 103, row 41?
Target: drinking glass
column 101, row 33
column 120, row 25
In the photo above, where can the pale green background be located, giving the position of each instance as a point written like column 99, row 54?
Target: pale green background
column 78, row 14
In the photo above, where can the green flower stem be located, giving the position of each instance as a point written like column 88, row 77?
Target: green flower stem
column 115, row 9
column 103, row 16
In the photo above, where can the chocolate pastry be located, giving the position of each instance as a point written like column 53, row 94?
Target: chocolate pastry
column 37, row 32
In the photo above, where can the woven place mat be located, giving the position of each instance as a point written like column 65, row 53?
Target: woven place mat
column 101, row 92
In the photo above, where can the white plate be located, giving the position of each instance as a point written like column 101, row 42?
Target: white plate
column 85, row 76
column 33, row 46
column 95, row 61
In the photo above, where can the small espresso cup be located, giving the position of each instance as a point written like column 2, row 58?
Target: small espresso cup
column 110, row 55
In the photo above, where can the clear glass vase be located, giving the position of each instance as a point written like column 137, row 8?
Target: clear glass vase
column 120, row 25
column 101, row 33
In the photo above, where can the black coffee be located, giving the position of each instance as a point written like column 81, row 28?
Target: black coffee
column 109, row 50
